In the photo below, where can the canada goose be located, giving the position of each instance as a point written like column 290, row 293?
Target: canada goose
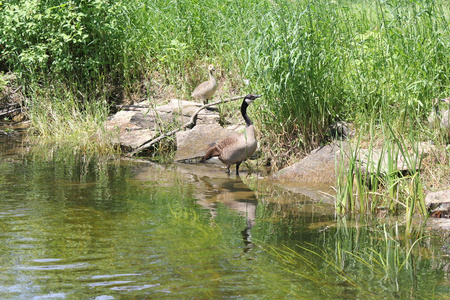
column 440, row 119
column 205, row 90
column 237, row 148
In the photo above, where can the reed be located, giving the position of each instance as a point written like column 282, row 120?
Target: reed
column 386, row 178
column 79, row 126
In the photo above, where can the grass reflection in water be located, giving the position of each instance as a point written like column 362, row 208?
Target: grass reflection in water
column 83, row 227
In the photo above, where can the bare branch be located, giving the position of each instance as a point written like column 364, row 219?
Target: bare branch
column 188, row 124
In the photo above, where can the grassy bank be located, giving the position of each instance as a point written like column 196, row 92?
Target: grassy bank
column 315, row 63
column 377, row 64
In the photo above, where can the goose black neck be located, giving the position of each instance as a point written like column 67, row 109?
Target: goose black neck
column 244, row 113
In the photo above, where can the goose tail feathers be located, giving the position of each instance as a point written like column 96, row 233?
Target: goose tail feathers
column 211, row 153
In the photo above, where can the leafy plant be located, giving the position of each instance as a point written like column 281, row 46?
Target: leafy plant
column 77, row 39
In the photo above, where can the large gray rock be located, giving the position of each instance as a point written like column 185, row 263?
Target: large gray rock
column 439, row 203
column 318, row 167
column 137, row 124
column 372, row 161
column 129, row 134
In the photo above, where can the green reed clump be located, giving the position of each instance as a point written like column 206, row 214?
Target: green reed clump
column 299, row 70
column 321, row 62
column 67, row 121
column 386, row 178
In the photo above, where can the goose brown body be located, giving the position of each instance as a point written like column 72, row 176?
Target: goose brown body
column 237, row 148
column 205, row 90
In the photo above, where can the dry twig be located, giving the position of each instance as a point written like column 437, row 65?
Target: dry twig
column 188, row 124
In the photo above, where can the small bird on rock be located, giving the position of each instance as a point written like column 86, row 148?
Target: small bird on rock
column 205, row 90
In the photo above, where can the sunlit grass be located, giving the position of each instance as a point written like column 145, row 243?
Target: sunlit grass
column 58, row 117
column 315, row 62
column 386, row 177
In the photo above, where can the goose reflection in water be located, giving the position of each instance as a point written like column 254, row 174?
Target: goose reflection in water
column 235, row 194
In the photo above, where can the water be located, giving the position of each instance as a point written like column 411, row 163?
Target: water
column 78, row 227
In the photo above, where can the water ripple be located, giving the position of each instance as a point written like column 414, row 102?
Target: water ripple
column 106, row 283
column 113, row 275
column 134, row 287
column 54, row 267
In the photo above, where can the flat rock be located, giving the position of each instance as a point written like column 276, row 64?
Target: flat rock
column 439, row 197
column 137, row 124
column 193, row 144
column 378, row 160
column 438, row 224
column 318, row 167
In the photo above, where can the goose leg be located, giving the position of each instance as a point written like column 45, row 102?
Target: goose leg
column 228, row 170
column 237, row 167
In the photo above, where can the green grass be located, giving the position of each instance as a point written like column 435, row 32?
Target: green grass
column 377, row 64
column 315, row 62
column 79, row 126
column 387, row 178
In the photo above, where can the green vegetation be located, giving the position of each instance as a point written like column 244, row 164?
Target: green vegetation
column 316, row 62
column 389, row 179
column 352, row 262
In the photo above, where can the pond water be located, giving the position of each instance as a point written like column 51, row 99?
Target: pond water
column 79, row 227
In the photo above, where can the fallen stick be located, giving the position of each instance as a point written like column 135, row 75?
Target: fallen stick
column 9, row 112
column 188, row 124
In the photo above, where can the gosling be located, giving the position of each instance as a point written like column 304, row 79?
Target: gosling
column 206, row 89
